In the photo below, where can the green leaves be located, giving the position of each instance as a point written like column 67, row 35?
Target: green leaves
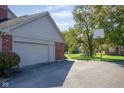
column 87, row 18
column 111, row 19
column 70, row 36
column 8, row 59
column 2, row 33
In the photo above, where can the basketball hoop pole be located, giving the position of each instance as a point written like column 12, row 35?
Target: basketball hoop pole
column 99, row 34
column 100, row 50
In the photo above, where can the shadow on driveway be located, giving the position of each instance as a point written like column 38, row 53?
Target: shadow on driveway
column 120, row 63
column 116, row 61
column 42, row 75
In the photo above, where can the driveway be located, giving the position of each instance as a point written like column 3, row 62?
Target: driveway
column 71, row 74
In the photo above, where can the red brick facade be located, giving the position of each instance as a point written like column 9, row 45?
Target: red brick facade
column 121, row 52
column 59, row 51
column 6, row 43
column 3, row 12
column 116, row 52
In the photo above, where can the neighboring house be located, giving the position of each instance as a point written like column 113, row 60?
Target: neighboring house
column 35, row 38
column 6, row 13
column 115, row 50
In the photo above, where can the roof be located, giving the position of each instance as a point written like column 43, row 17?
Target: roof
column 11, row 12
column 18, row 21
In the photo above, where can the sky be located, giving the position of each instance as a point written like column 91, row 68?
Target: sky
column 61, row 14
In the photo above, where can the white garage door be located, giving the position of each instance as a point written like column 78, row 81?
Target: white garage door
column 31, row 53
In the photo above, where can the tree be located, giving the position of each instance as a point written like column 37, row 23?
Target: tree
column 1, row 33
column 84, row 17
column 111, row 19
column 71, row 44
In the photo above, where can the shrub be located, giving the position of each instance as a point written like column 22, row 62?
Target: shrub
column 8, row 61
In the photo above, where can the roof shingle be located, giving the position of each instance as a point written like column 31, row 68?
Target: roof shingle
column 17, row 20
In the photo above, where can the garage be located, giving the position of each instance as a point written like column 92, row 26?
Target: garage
column 35, row 38
column 31, row 53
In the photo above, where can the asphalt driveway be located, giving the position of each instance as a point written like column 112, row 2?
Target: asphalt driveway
column 70, row 74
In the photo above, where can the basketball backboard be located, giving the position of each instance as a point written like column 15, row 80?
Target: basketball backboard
column 98, row 33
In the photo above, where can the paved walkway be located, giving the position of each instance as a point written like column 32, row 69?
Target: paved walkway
column 71, row 74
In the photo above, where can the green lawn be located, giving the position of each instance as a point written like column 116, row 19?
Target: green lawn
column 96, row 57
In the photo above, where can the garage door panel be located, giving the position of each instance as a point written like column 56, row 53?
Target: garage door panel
column 31, row 53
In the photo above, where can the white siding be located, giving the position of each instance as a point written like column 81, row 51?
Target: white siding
column 40, row 28
column 32, row 40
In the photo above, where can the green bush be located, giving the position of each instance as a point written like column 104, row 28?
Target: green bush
column 8, row 62
column 9, row 59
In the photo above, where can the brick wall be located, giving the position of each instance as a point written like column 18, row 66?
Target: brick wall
column 6, row 43
column 121, row 51
column 59, row 51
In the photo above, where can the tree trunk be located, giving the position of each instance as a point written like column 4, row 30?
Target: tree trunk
column 90, row 44
column 90, row 51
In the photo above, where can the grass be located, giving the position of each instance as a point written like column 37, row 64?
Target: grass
column 110, row 58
